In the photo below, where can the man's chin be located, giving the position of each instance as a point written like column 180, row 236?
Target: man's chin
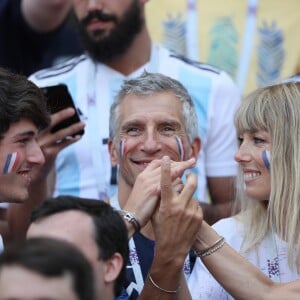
column 97, row 36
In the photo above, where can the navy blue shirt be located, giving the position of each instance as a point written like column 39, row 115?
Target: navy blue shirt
column 23, row 50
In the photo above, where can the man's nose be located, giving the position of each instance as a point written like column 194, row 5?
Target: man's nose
column 151, row 142
column 35, row 154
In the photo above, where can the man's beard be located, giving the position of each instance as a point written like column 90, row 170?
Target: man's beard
column 105, row 49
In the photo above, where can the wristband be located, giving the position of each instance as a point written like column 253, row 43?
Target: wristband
column 210, row 250
column 131, row 218
column 161, row 289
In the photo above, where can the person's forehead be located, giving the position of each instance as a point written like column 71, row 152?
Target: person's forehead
column 163, row 97
column 67, row 225
column 66, row 216
column 73, row 226
column 17, row 282
column 162, row 103
column 21, row 127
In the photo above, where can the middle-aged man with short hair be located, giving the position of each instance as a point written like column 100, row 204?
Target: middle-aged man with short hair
column 152, row 117
column 118, row 47
column 145, row 130
column 43, row 268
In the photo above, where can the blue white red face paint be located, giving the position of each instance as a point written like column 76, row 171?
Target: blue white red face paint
column 266, row 158
column 11, row 163
column 122, row 147
column 180, row 147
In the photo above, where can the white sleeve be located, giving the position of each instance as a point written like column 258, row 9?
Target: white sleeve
column 202, row 284
column 221, row 141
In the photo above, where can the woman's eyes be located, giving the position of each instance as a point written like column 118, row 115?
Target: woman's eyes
column 258, row 140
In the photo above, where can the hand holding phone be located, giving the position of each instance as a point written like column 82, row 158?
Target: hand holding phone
column 59, row 98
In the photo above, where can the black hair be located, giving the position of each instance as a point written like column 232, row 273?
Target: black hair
column 21, row 99
column 111, row 234
column 52, row 258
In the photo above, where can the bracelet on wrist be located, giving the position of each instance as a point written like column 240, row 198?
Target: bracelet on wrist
column 131, row 218
column 162, row 289
column 210, row 250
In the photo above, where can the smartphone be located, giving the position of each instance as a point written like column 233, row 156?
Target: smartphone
column 58, row 98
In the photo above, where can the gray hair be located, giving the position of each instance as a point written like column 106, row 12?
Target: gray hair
column 151, row 83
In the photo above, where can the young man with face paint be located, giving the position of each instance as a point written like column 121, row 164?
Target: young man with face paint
column 152, row 117
column 118, row 47
column 23, row 115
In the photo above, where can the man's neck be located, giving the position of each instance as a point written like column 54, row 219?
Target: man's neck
column 124, row 190
column 137, row 55
column 103, row 291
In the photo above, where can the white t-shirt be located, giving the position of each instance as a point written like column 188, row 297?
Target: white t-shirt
column 83, row 169
column 270, row 256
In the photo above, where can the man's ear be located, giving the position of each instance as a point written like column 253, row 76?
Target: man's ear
column 195, row 148
column 113, row 267
column 112, row 153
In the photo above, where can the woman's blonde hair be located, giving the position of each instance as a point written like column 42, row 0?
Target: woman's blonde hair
column 275, row 109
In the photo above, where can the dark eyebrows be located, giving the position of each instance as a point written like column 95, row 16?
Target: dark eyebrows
column 24, row 134
column 171, row 123
column 137, row 123
column 131, row 123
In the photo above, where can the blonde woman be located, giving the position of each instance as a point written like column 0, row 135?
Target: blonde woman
column 267, row 230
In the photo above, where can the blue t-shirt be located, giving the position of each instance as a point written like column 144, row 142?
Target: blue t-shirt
column 140, row 260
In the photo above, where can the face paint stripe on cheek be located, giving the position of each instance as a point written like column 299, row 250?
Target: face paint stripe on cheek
column 11, row 162
column 180, row 147
column 122, row 147
column 266, row 158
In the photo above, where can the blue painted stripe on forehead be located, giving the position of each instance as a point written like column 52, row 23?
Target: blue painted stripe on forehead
column 121, row 150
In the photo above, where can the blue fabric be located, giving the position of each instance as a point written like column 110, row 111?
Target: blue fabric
column 123, row 295
column 24, row 50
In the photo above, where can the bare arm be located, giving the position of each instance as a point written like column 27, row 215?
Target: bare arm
column 221, row 192
column 175, row 225
column 238, row 276
column 45, row 15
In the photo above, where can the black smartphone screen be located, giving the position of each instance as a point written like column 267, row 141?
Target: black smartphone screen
column 58, row 98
